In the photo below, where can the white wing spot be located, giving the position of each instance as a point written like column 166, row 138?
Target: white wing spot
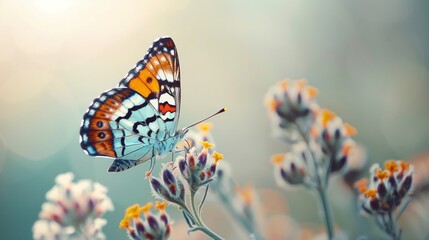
column 167, row 98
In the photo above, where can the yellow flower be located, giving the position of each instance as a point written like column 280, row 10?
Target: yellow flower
column 391, row 166
column 382, row 174
column 217, row 156
column 161, row 205
column 207, row 145
column 371, row 193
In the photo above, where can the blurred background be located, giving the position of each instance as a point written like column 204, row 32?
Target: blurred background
column 369, row 59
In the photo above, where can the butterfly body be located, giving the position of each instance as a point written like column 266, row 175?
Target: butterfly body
column 137, row 121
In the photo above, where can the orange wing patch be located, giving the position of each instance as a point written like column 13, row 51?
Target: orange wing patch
column 102, row 142
column 105, row 148
column 145, row 83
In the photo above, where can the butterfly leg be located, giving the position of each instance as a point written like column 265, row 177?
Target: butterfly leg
column 152, row 164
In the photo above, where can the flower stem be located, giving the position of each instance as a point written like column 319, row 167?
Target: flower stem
column 393, row 228
column 194, row 209
column 201, row 226
column 326, row 211
column 321, row 186
column 247, row 224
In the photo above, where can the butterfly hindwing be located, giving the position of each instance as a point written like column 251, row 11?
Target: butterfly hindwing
column 123, row 164
column 120, row 123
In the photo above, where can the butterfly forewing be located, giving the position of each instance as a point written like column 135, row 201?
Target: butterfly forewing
column 126, row 123
column 157, row 77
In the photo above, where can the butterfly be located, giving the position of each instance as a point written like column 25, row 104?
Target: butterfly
column 137, row 120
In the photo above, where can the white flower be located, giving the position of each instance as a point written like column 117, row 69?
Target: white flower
column 70, row 205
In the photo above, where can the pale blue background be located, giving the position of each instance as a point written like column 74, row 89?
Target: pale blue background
column 369, row 60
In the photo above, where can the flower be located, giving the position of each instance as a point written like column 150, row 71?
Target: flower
column 170, row 187
column 73, row 209
column 147, row 225
column 386, row 188
column 291, row 103
column 43, row 229
column 334, row 138
column 293, row 168
column 199, row 167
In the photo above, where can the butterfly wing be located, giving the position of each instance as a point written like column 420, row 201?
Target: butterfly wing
column 121, row 124
column 158, row 73
column 125, row 122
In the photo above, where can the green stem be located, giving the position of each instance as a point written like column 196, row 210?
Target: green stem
column 394, row 230
column 201, row 226
column 327, row 214
column 321, row 187
column 194, row 209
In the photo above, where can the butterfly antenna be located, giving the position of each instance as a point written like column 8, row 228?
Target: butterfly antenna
column 205, row 119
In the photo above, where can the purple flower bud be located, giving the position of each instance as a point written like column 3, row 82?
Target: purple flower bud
column 168, row 177
column 140, row 228
column 202, row 159
column 339, row 164
column 381, row 190
column 337, row 134
column 164, row 218
column 156, row 185
column 132, row 234
column 183, row 166
column 392, row 182
column 374, row 204
column 213, row 168
column 153, row 223
column 405, row 186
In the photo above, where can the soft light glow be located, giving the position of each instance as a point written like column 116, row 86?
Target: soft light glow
column 54, row 5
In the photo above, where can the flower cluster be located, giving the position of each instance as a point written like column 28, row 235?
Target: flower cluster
column 195, row 167
column 194, row 170
column 325, row 140
column 291, row 104
column 147, row 225
column 320, row 141
column 184, row 177
column 386, row 188
column 384, row 192
column 73, row 210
